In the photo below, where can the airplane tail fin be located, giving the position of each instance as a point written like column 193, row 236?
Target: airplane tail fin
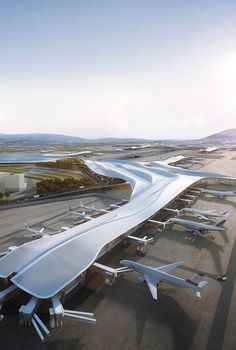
column 225, row 212
column 42, row 229
column 197, row 284
column 199, row 287
column 26, row 225
column 221, row 223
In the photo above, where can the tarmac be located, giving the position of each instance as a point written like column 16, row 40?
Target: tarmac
column 127, row 316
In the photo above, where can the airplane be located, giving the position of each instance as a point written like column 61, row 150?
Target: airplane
column 92, row 208
column 218, row 194
column 153, row 276
column 41, row 233
column 35, row 232
column 200, row 214
column 82, row 215
column 195, row 227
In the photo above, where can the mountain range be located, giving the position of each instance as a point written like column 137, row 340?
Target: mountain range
column 41, row 138
column 228, row 135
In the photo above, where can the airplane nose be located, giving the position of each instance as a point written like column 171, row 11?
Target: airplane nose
column 124, row 262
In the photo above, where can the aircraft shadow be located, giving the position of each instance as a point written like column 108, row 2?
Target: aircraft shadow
column 224, row 201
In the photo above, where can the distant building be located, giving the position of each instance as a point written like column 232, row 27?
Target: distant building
column 12, row 183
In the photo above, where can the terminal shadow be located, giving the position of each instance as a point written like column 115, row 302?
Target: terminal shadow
column 150, row 313
column 62, row 344
column 14, row 336
column 13, row 239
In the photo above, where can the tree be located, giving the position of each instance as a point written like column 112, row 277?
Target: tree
column 1, row 195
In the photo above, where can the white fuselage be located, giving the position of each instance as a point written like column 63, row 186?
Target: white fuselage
column 219, row 194
column 155, row 273
column 199, row 226
column 203, row 213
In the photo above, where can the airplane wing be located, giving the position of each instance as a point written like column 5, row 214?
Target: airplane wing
column 152, row 285
column 31, row 235
column 221, row 223
column 4, row 253
column 195, row 230
column 220, row 196
column 202, row 217
column 169, row 267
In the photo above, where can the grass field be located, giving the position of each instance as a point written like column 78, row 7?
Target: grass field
column 55, row 175
column 14, row 169
column 60, row 174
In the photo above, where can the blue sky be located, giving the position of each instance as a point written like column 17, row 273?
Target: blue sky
column 149, row 69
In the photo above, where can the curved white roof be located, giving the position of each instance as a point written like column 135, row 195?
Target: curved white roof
column 45, row 266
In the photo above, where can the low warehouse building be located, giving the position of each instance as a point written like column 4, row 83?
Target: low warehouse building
column 12, row 182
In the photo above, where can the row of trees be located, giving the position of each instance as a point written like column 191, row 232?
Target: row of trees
column 56, row 185
column 69, row 163
column 4, row 194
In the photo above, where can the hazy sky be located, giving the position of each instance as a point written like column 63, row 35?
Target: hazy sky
column 95, row 68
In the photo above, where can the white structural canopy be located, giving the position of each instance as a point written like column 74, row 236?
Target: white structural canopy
column 45, row 266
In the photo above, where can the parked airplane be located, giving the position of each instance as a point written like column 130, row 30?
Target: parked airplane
column 82, row 215
column 93, row 209
column 218, row 194
column 200, row 214
column 198, row 227
column 193, row 226
column 41, row 233
column 35, row 232
column 153, row 276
